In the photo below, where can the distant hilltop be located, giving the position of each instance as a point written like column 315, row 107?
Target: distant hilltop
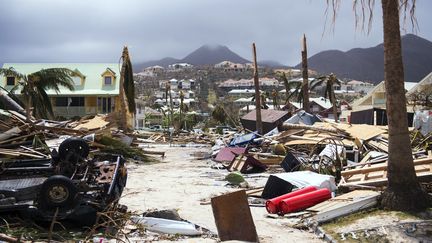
column 205, row 55
column 367, row 64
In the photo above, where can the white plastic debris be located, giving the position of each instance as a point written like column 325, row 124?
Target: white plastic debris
column 302, row 179
column 167, row 226
column 423, row 121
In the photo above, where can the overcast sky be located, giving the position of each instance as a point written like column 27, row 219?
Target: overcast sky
column 96, row 30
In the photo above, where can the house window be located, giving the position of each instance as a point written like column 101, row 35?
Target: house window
column 108, row 80
column 69, row 101
column 76, row 80
column 105, row 104
column 10, row 80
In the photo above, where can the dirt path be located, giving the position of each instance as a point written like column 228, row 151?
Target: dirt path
column 181, row 182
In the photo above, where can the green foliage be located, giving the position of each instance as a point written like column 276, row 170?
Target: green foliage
column 219, row 114
column 297, row 94
column 115, row 146
column 33, row 87
column 279, row 149
column 212, row 97
column 329, row 81
column 234, row 178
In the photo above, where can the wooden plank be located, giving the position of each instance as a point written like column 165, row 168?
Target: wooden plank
column 378, row 178
column 233, row 217
column 271, row 161
column 381, row 167
column 345, row 204
column 17, row 138
column 60, row 129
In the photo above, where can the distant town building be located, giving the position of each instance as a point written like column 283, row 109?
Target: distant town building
column 267, row 84
column 228, row 66
column 179, row 66
column 356, row 86
column 319, row 105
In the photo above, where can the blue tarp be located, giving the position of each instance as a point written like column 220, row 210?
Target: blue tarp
column 242, row 140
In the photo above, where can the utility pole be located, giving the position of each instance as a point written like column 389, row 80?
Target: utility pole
column 257, row 92
column 305, row 86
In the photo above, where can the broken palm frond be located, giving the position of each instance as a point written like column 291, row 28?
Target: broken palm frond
column 28, row 231
column 418, row 141
column 115, row 146
column 113, row 220
column 128, row 83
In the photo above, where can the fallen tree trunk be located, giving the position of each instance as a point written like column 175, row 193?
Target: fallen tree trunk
column 10, row 104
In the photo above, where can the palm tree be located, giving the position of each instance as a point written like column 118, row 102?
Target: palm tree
column 219, row 114
column 296, row 86
column 329, row 81
column 403, row 190
column 33, row 88
column 275, row 98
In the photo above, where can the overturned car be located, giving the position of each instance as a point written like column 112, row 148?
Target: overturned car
column 69, row 185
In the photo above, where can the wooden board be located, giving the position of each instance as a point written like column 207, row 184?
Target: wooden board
column 376, row 174
column 233, row 217
column 362, row 131
column 344, row 204
column 98, row 122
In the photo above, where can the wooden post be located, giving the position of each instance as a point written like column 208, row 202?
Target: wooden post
column 257, row 92
column 305, row 86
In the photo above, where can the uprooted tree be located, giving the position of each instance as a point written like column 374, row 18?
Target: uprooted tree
column 403, row 190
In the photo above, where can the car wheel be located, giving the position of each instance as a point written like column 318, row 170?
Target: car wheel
column 57, row 191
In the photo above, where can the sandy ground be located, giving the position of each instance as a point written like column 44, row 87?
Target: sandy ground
column 181, row 182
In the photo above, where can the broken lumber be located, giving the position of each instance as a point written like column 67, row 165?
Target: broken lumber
column 287, row 126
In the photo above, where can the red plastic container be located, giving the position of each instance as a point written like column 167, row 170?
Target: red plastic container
column 272, row 205
column 304, row 201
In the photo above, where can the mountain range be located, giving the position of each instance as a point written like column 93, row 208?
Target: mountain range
column 367, row 64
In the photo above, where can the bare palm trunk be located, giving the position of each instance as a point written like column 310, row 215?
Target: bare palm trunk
column 181, row 114
column 305, row 86
column 171, row 109
column 335, row 113
column 257, row 92
column 123, row 111
column 28, row 109
column 403, row 191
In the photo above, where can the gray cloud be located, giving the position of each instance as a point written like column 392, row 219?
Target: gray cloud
column 96, row 30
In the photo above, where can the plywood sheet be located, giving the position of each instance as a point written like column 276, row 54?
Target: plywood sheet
column 233, row 217
column 97, row 122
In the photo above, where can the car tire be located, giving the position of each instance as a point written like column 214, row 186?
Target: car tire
column 57, row 191
column 73, row 150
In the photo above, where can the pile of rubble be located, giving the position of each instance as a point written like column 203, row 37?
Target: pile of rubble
column 64, row 170
column 314, row 170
